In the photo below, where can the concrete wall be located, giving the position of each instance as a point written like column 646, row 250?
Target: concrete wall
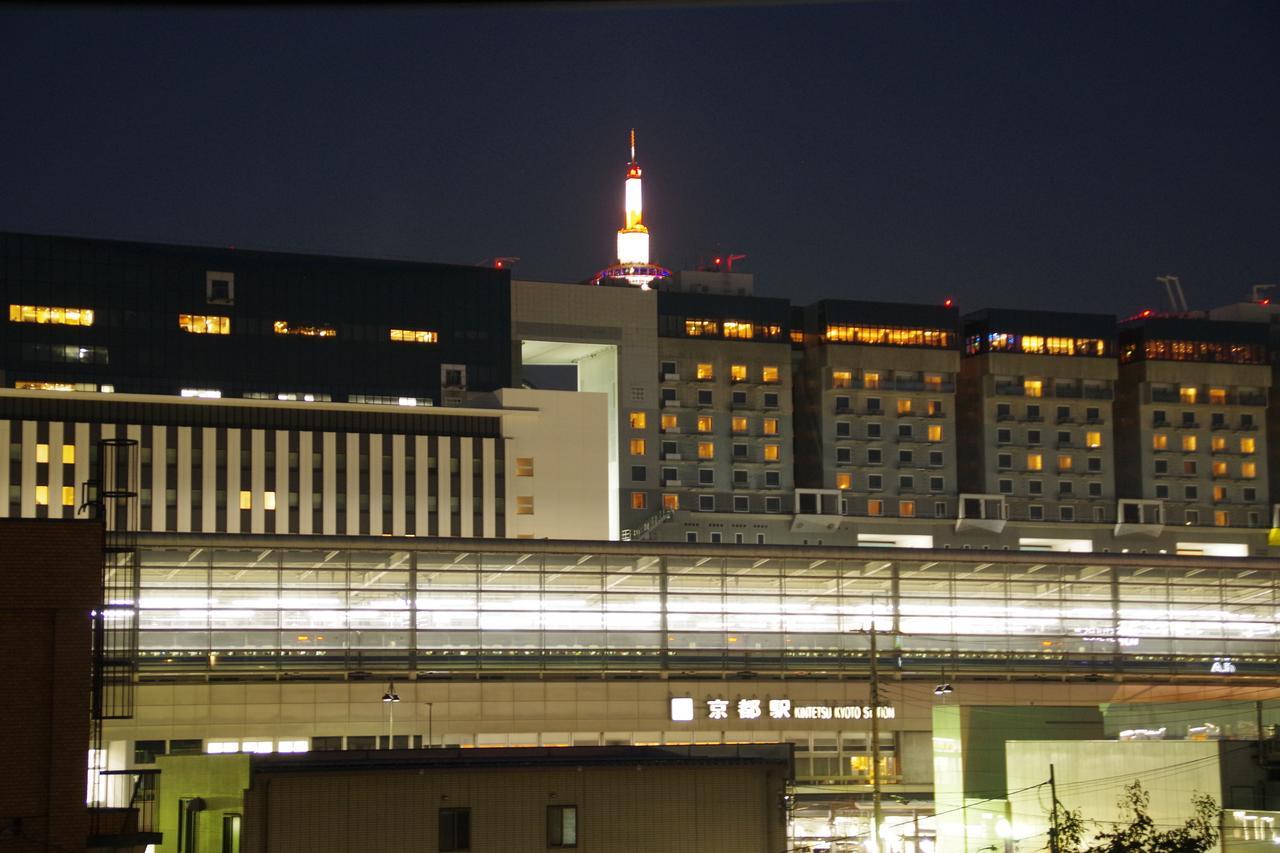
column 632, row 809
column 565, row 436
column 218, row 780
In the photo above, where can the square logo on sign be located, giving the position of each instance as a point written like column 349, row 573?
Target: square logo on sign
column 682, row 709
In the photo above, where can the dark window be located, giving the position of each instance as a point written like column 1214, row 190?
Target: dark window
column 1246, row 420
column 691, row 536
column 1064, row 437
column 935, row 457
column 1064, row 487
column 873, row 430
column 844, row 454
column 1094, row 463
column 639, row 473
column 326, row 743
column 1033, row 412
column 1191, row 493
column 739, row 398
column 1003, row 411
column 739, row 477
column 668, row 367
column 145, row 751
column 842, row 404
column 361, row 742
column 1004, row 460
column 1250, row 493
column 773, row 504
column 741, row 503
column 455, row 829
column 904, row 430
column 1035, row 512
column 1006, row 487
column 1188, row 418
column 1064, row 413
column 669, row 474
column 842, row 429
column 186, row 747
column 1035, row 487
column 1092, row 414
column 562, row 826
column 669, row 394
column 873, row 405
column 771, row 399
column 1159, row 417
column 1066, row 513
column 1218, row 419
column 704, row 397
column 706, row 503
column 874, row 482
column 1033, row 436
column 1095, row 490
column 1004, row 435
column 906, row 484
column 1162, row 491
column 873, row 456
column 772, row 478
column 740, row 451
column 935, row 484
column 707, row 476
column 904, row 456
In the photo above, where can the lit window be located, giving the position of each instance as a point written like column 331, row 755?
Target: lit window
column 670, row 422
column 1219, row 469
column 1248, row 470
column 1248, row 445
column 1188, row 443
column 246, row 500
column 738, row 329
column 639, row 500
column 1093, row 439
column 907, row 509
column 292, row 746
column 738, row 424
column 1033, row 387
column 637, row 447
column 68, row 454
column 204, row 324
column 1064, row 463
column 414, row 336
column 1218, row 396
column 524, row 466
column 283, row 327
column 1217, row 444
column 524, row 504
column 935, row 432
column 1187, row 393
column 1221, row 518
column 904, row 407
column 704, row 423
column 671, row 502
column 68, row 495
column 771, row 453
column 875, row 507
column 706, row 450
column 269, row 500
column 23, row 385
column 47, row 314
column 698, row 328
column 890, row 336
column 770, row 426
column 843, row 379
column 42, row 495
column 1160, row 441
column 933, row 408
column 201, row 393
column 42, row 453
column 637, row 420
column 933, row 381
column 844, row 480
column 871, row 379
column 704, row 371
column 1219, row 493
column 218, row 747
column 1034, row 462
column 769, row 374
column 738, row 373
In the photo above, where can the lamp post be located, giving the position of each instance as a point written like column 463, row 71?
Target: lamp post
column 390, row 698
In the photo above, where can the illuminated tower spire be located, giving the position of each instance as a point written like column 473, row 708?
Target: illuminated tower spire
column 633, row 237
column 633, row 265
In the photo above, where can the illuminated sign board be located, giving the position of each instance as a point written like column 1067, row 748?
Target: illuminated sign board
column 683, row 710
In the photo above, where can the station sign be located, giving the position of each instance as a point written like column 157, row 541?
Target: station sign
column 684, row 710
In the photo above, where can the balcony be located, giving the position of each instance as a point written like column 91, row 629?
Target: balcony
column 671, row 404
column 124, row 813
column 673, row 457
column 671, row 377
column 672, row 483
column 1098, row 393
column 1009, row 389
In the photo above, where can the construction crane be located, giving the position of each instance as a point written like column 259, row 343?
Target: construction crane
column 1173, row 287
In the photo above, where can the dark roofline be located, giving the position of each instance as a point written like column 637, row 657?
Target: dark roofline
column 250, row 252
column 1058, row 323
column 907, row 315
column 540, row 756
column 1195, row 329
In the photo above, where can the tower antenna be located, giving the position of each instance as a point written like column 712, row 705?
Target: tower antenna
column 633, row 145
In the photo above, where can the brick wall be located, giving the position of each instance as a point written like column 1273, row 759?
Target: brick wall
column 50, row 577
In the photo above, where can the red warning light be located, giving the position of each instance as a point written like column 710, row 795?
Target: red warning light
column 498, row 264
column 1146, row 313
column 1266, row 302
column 717, row 262
column 946, row 303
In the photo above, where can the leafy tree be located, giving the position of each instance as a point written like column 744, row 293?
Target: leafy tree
column 1136, row 832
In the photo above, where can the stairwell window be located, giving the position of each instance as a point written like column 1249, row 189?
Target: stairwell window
column 639, row 500
column 524, row 504
column 524, row 466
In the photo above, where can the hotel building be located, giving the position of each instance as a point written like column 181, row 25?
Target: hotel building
column 1191, row 419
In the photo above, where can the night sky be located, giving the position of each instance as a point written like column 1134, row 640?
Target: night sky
column 1023, row 154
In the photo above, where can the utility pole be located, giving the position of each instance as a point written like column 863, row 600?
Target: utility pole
column 875, row 739
column 1053, row 814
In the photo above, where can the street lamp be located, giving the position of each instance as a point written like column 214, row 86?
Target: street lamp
column 390, row 698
